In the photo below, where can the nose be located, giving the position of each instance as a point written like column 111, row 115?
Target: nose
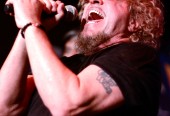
column 96, row 1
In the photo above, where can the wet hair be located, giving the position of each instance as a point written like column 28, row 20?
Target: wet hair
column 148, row 14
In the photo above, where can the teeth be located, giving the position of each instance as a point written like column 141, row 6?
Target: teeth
column 97, row 12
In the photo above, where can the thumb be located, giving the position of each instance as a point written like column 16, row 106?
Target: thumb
column 60, row 12
column 51, row 22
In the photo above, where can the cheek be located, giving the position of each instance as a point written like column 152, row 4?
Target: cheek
column 83, row 11
column 110, row 24
column 116, row 26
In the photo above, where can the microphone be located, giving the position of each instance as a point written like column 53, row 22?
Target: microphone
column 70, row 11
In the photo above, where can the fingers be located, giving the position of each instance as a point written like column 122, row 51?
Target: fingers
column 53, row 6
column 31, row 10
column 60, row 10
column 27, row 11
column 47, row 6
column 8, row 2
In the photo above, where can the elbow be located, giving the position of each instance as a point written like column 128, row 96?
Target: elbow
column 70, row 109
column 61, row 110
column 10, row 111
column 65, row 112
column 5, row 111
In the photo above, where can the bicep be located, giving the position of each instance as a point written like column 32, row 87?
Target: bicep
column 99, row 89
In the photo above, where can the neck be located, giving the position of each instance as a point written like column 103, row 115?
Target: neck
column 114, row 41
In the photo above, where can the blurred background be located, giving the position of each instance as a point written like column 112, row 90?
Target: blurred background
column 8, row 31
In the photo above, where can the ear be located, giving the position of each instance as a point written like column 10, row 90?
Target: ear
column 133, row 25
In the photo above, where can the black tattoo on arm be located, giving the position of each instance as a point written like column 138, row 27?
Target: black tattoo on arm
column 106, row 81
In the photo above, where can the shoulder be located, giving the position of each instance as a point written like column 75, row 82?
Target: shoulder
column 126, row 53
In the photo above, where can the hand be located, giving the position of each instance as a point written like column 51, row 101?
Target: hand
column 31, row 10
column 53, row 7
column 26, row 11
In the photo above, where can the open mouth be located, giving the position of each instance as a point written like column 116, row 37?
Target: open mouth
column 95, row 15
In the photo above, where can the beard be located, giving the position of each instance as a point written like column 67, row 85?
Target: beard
column 90, row 44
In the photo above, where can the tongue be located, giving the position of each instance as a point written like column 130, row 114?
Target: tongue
column 94, row 16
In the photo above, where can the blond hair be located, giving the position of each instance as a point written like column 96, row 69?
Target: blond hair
column 148, row 14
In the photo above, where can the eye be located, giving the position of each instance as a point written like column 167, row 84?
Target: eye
column 82, row 3
column 96, row 1
column 86, row 1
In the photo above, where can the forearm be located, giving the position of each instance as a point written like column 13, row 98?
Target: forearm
column 44, row 63
column 52, row 78
column 12, row 83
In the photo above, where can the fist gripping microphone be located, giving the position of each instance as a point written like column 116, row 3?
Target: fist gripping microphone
column 71, row 12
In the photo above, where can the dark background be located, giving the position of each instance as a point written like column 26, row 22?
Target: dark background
column 8, row 31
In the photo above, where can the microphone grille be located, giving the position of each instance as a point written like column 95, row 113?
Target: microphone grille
column 72, row 13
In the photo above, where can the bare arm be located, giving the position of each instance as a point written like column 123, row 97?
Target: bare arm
column 64, row 88
column 63, row 92
column 13, row 79
column 15, row 86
